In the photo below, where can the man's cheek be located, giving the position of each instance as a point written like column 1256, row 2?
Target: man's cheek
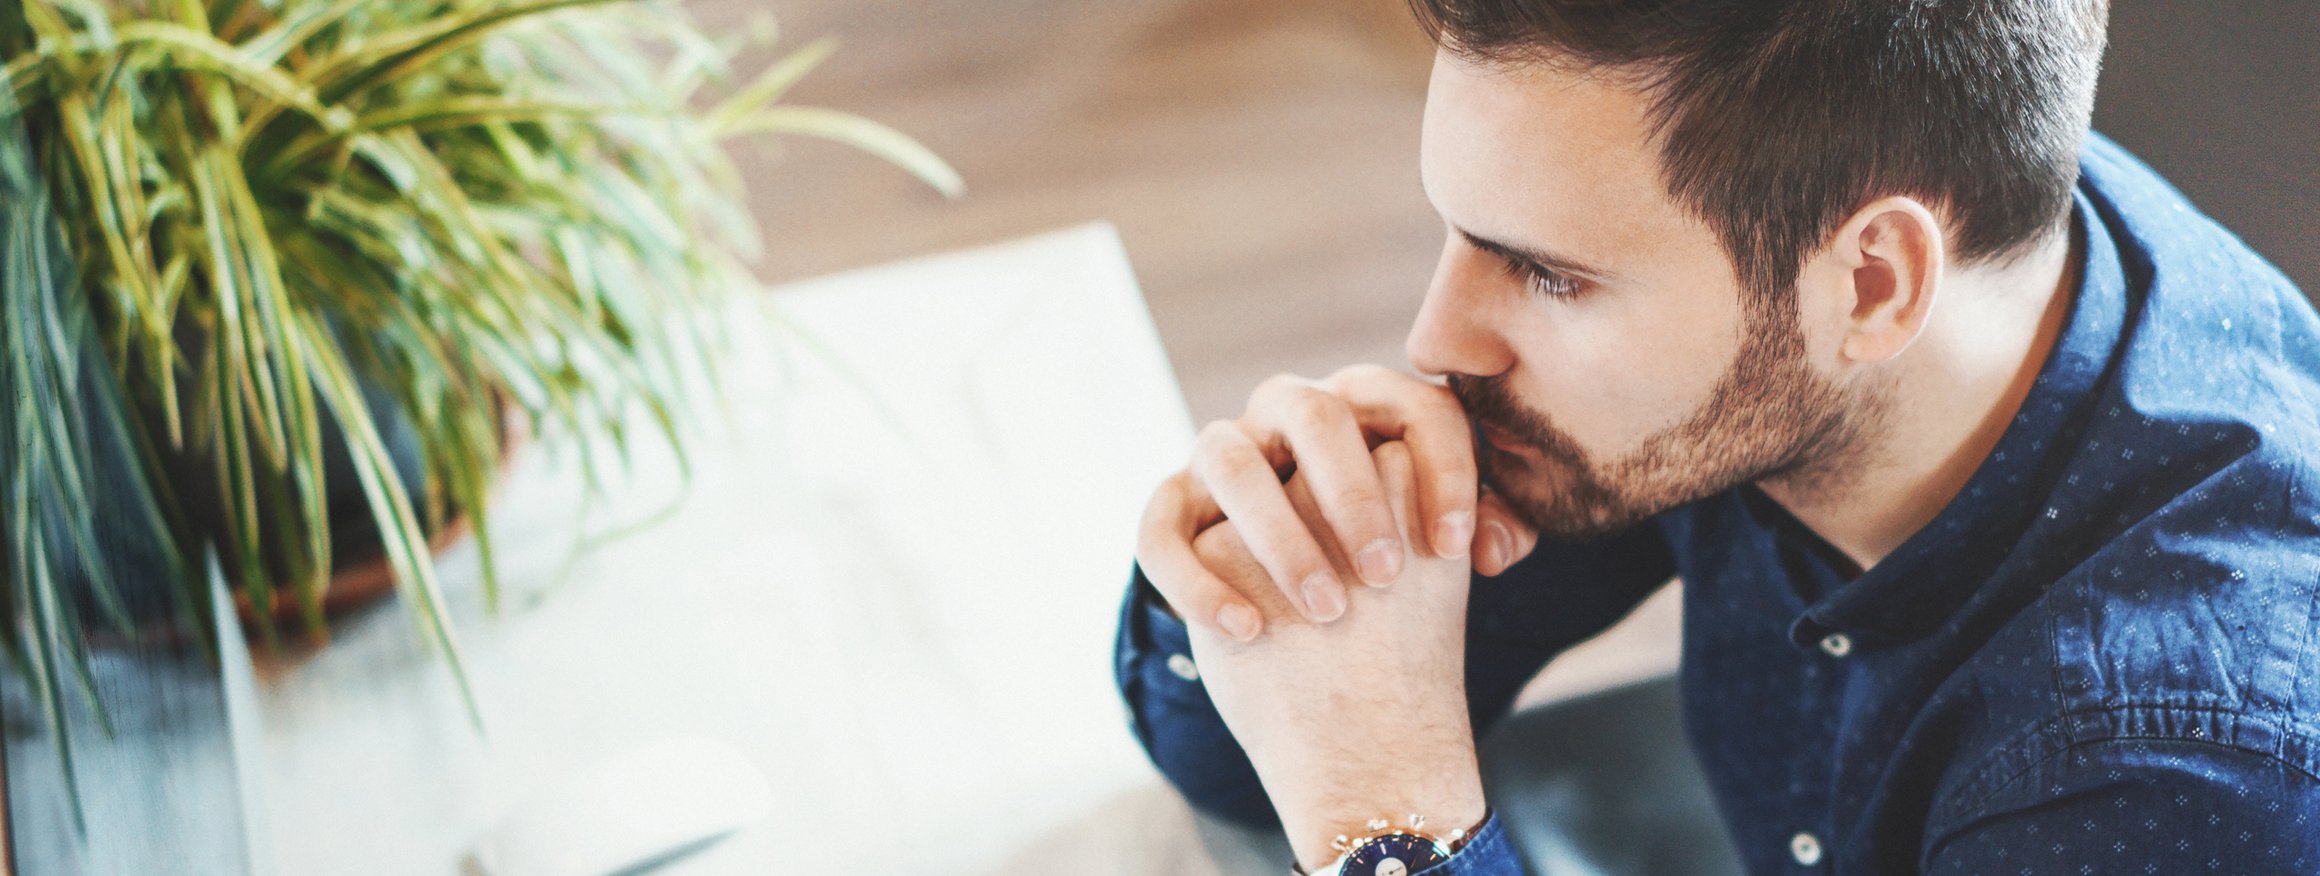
column 1578, row 402
column 1607, row 396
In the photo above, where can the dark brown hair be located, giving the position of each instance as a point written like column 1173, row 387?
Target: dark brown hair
column 1776, row 119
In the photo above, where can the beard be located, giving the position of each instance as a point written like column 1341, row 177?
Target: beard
column 1769, row 417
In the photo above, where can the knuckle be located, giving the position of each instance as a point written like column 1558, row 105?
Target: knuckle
column 1219, row 445
column 1362, row 372
column 1313, row 410
column 1165, row 578
column 1223, row 552
column 1437, row 400
column 1183, row 590
column 1397, row 468
column 1190, row 602
column 1232, row 467
column 1275, row 386
column 1219, row 542
column 1454, row 474
column 1215, row 435
column 1453, row 495
column 1170, row 491
column 1153, row 537
column 1457, row 480
column 1361, row 499
column 1181, row 485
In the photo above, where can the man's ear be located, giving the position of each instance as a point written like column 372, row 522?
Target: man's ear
column 1881, row 273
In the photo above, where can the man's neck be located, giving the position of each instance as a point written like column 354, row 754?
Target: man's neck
column 1954, row 393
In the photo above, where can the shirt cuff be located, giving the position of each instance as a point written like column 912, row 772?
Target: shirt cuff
column 1489, row 853
column 1158, row 644
column 1172, row 717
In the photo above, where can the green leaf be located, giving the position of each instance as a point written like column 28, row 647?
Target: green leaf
column 860, row 133
column 773, row 83
column 401, row 53
column 446, row 113
column 390, row 504
column 302, row 23
column 24, row 78
column 188, row 49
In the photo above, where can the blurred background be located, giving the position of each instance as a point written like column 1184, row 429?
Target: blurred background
column 1259, row 159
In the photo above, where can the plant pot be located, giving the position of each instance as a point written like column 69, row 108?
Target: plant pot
column 360, row 572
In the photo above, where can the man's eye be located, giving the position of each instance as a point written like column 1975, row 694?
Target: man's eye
column 1543, row 282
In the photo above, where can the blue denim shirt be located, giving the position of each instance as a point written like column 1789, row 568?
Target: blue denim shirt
column 2102, row 657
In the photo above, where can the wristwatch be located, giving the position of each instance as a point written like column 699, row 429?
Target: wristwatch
column 1392, row 851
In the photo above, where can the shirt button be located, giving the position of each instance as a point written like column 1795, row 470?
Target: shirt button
column 1805, row 847
column 1837, row 644
column 1182, row 666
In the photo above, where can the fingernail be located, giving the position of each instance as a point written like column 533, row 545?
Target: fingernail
column 1454, row 534
column 1497, row 548
column 1324, row 599
column 1238, row 622
column 1380, row 562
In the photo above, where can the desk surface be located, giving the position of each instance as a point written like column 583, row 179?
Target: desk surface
column 892, row 582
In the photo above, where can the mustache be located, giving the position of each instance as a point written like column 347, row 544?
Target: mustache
column 1488, row 400
column 1472, row 393
column 1491, row 401
column 1472, row 396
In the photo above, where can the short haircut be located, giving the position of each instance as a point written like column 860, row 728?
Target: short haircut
column 1776, row 119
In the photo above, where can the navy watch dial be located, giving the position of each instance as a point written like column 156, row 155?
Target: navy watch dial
column 1393, row 854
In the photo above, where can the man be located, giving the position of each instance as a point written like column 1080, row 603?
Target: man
column 1987, row 462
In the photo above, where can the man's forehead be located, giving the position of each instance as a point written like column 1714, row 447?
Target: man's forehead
column 1514, row 151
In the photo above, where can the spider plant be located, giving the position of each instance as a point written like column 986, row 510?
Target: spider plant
column 268, row 215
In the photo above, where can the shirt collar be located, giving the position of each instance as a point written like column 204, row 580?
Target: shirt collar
column 1924, row 581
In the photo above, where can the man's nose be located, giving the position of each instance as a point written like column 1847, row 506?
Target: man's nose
column 1456, row 330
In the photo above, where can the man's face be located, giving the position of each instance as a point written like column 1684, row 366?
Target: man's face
column 1594, row 329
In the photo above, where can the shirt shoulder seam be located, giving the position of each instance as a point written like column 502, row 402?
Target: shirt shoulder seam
column 2294, row 745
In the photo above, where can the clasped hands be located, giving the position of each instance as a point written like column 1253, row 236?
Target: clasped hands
column 1350, row 701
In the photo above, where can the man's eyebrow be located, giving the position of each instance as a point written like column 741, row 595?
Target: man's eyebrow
column 1512, row 252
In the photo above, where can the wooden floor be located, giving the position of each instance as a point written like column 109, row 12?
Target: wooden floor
column 1259, row 159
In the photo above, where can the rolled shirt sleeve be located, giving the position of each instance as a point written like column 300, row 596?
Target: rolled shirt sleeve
column 2140, row 806
column 1489, row 853
column 1173, row 718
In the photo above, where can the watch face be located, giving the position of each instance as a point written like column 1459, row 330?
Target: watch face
column 1393, row 854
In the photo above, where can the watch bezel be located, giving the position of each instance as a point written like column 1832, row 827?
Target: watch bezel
column 1353, row 856
column 1443, row 847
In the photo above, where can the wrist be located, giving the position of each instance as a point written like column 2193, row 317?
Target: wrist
column 1445, row 790
column 1400, row 845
